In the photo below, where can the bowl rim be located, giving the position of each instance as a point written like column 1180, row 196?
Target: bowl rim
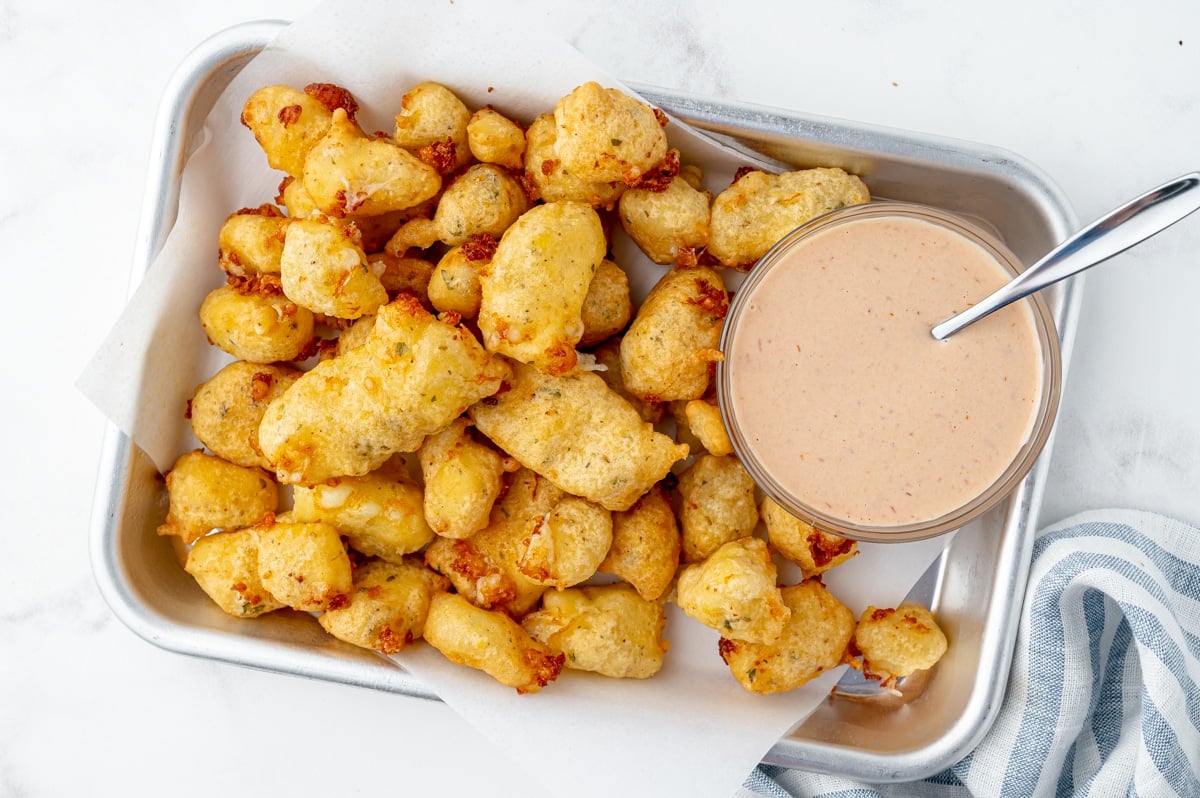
column 1003, row 484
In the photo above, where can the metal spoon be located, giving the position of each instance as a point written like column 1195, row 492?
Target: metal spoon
column 1113, row 233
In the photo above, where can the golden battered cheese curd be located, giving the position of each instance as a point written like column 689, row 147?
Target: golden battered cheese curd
column 567, row 545
column 255, row 322
column 494, row 138
column 324, row 269
column 548, row 180
column 814, row 550
column 304, row 565
column 350, row 173
column 814, row 640
column 607, row 307
column 463, row 478
column 380, row 513
column 734, row 591
column 606, row 629
column 250, row 241
column 226, row 409
column 898, row 642
column 375, row 230
column 355, row 335
column 386, row 608
column 645, row 545
column 491, row 642
column 483, row 199
column 287, row 122
column 604, row 135
column 225, row 566
column 759, row 209
column 430, row 115
column 349, row 414
column 205, row 493
column 664, row 224
column 608, row 366
column 717, row 505
column 455, row 285
column 703, row 420
column 402, row 274
column 534, row 287
column 669, row 351
column 573, row 430
column 483, row 567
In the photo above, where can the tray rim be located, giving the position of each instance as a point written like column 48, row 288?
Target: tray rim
column 230, row 49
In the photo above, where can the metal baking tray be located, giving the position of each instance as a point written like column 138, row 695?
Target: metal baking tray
column 985, row 570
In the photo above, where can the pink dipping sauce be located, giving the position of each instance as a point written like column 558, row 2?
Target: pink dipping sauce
column 846, row 400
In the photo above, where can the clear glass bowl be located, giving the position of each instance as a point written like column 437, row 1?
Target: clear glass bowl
column 792, row 499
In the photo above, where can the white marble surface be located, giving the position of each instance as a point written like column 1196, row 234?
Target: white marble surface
column 1105, row 101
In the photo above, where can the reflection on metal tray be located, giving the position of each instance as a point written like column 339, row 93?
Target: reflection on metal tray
column 986, row 566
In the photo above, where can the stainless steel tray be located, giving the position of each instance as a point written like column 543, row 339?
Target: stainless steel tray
column 984, row 575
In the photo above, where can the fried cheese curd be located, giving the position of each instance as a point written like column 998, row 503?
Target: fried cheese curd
column 433, row 123
column 898, row 642
column 813, row 640
column 533, row 290
column 703, row 421
column 573, row 430
column 759, row 209
column 814, row 550
column 454, row 285
column 645, row 545
column 252, row 320
column 374, row 230
column 567, row 545
column 604, row 135
column 665, row 224
column 490, row 641
column 606, row 629
column 287, row 122
column 250, row 242
column 483, row 199
column 734, row 591
column 324, row 269
column 401, row 274
column 484, row 567
column 670, row 349
column 494, row 138
column 303, row 565
column 226, row 410
column 608, row 365
column 381, row 513
column 225, row 566
column 548, row 180
column 386, row 607
column 463, row 478
column 349, row 172
column 205, row 493
column 607, row 307
column 412, row 376
column 717, row 505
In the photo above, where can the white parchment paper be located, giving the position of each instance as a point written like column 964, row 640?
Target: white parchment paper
column 690, row 730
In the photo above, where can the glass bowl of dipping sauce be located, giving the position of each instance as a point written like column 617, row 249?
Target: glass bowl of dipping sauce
column 842, row 405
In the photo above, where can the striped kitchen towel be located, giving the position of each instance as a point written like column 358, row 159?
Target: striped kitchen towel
column 1104, row 693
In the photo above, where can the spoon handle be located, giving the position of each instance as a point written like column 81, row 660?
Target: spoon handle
column 1115, row 232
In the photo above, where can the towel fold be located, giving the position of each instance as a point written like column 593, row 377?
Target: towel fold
column 1103, row 696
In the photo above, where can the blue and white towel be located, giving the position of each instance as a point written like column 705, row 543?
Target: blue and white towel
column 1104, row 693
